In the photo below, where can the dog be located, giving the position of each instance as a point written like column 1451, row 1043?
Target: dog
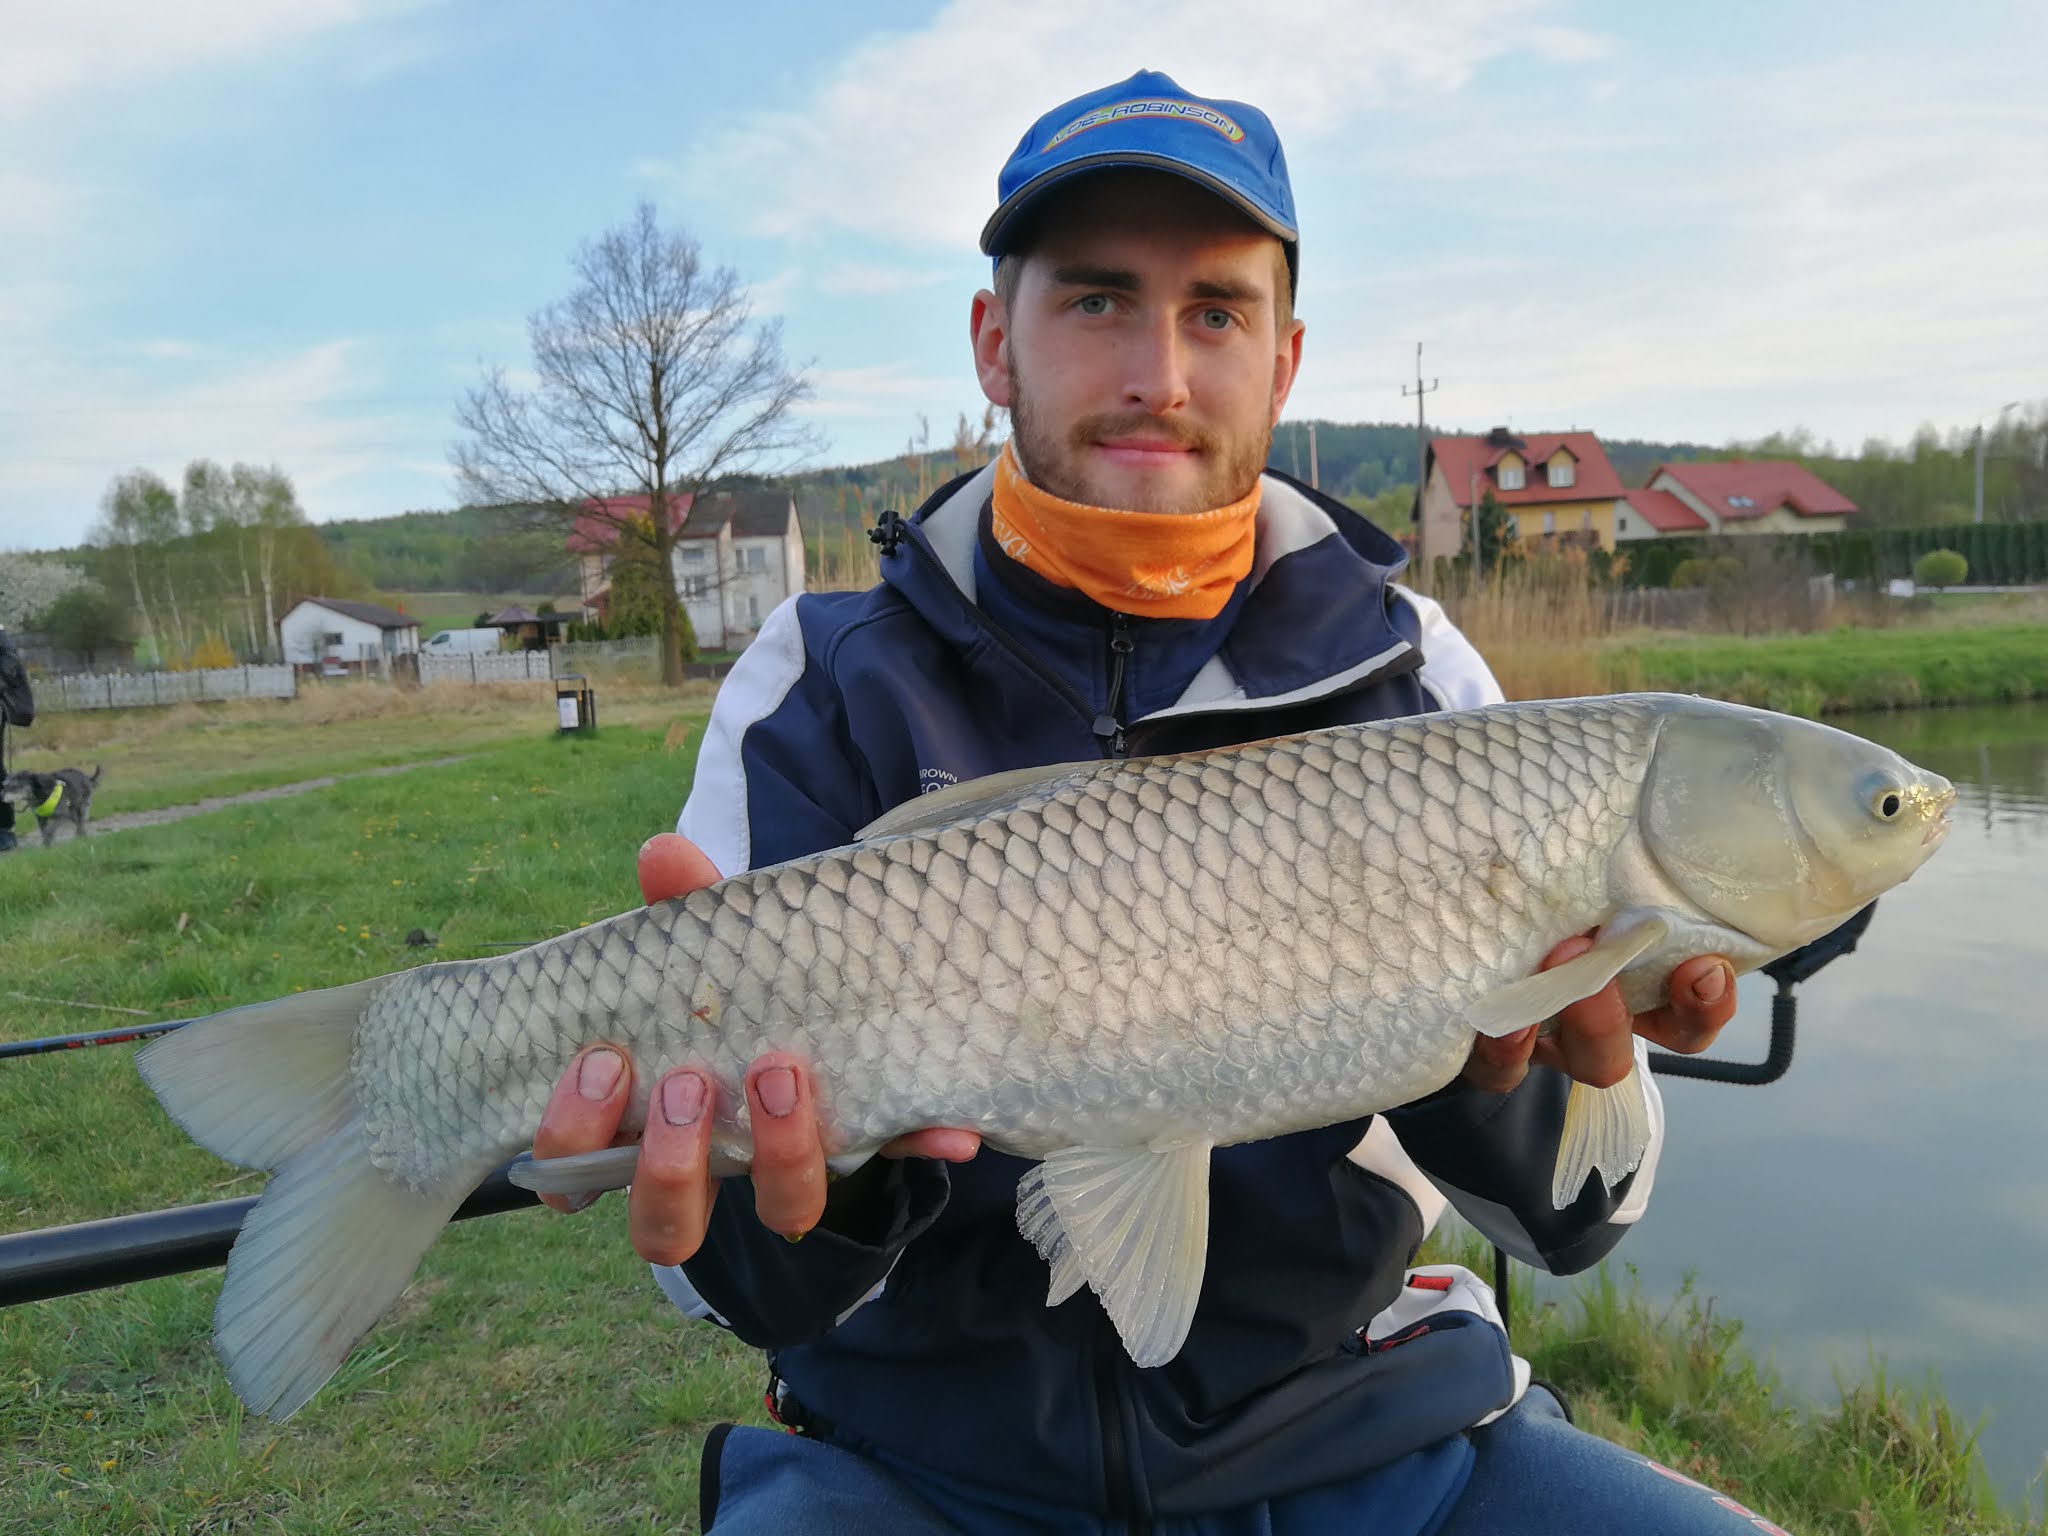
column 65, row 795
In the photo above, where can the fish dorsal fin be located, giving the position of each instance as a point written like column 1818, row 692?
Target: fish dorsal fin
column 1535, row 998
column 1133, row 1223
column 963, row 802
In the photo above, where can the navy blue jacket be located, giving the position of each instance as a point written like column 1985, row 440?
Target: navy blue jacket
column 928, row 1340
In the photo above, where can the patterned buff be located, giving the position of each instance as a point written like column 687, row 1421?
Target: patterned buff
column 1153, row 565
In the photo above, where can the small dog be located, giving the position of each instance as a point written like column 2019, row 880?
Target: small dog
column 70, row 789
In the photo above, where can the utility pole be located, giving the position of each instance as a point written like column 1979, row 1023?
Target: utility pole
column 1314, row 482
column 2010, row 405
column 1421, row 460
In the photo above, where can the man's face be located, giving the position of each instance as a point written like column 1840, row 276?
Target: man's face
column 1141, row 357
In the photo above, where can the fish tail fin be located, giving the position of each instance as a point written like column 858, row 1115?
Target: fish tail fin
column 1607, row 1129
column 333, row 1241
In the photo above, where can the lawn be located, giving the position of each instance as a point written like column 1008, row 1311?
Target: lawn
column 175, row 756
column 533, row 1380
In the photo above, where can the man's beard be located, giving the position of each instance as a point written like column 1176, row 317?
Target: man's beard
column 1054, row 462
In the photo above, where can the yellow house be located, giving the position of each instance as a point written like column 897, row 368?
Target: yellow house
column 1558, row 486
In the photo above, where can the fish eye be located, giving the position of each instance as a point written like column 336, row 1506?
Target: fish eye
column 1885, row 797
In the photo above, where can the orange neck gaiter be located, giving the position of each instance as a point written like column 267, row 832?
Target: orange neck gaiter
column 1153, row 565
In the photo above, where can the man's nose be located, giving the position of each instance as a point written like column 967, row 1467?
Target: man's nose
column 1156, row 372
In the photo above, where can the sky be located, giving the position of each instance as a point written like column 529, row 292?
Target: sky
column 295, row 234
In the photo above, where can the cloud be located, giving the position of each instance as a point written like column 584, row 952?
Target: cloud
column 57, row 50
column 879, row 390
column 872, row 279
column 902, row 138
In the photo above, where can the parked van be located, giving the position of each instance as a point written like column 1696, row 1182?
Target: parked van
column 462, row 642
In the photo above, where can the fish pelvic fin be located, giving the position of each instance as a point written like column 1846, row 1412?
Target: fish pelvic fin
column 1133, row 1224
column 1605, row 1129
column 333, row 1241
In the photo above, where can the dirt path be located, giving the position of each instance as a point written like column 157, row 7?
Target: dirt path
column 31, row 838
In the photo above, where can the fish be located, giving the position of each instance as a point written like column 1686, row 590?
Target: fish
column 1109, row 968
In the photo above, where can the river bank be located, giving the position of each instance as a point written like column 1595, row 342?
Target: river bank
column 1833, row 671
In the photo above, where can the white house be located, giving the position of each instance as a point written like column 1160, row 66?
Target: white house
column 737, row 554
column 334, row 634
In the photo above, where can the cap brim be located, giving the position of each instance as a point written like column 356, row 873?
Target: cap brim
column 1024, row 197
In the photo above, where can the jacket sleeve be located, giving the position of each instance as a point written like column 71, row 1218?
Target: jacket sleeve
column 1491, row 1154
column 777, row 778
column 17, row 700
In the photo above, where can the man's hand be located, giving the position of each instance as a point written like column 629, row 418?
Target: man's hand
column 1594, row 1039
column 670, row 1202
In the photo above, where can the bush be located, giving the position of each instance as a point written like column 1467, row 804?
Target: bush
column 1707, row 571
column 1940, row 568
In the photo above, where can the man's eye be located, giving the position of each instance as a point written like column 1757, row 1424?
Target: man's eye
column 1217, row 319
column 1094, row 304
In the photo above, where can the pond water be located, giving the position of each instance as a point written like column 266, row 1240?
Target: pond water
column 1889, row 1195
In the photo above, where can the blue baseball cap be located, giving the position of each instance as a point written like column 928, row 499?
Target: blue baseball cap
column 1149, row 123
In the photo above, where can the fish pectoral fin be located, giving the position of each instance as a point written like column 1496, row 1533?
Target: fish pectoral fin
column 580, row 1173
column 1604, row 1128
column 1133, row 1223
column 1535, row 998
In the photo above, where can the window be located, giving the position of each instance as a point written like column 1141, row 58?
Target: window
column 1550, row 522
column 754, row 610
column 1563, row 472
column 330, row 638
column 1742, row 501
column 757, row 559
column 693, row 554
column 695, row 587
column 1511, row 477
column 1585, row 519
column 1620, row 524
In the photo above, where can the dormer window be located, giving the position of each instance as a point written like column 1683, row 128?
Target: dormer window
column 1562, row 472
column 1511, row 476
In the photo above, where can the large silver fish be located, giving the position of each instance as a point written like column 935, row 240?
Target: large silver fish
column 1109, row 966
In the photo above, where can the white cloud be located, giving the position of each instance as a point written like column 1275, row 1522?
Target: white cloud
column 880, row 390
column 903, row 139
column 53, row 51
column 855, row 279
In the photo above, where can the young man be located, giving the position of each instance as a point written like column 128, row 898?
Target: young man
column 17, row 707
column 1123, row 580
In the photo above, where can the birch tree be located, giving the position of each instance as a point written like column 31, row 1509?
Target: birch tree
column 651, row 381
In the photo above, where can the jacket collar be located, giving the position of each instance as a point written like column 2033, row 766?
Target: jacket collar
column 1314, row 619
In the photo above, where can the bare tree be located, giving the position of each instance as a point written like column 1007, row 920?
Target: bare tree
column 651, row 383
column 133, row 515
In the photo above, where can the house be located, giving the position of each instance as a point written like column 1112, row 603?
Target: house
column 525, row 629
column 1648, row 514
column 1558, row 486
column 1754, row 496
column 336, row 634
column 737, row 555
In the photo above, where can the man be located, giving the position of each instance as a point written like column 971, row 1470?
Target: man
column 1124, row 580
column 17, row 707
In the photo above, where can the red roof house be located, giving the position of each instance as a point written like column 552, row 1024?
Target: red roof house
column 1755, row 496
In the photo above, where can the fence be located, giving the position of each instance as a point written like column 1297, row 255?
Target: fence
column 132, row 690
column 486, row 667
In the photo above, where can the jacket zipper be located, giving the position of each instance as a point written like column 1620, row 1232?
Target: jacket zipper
column 1024, row 658
column 1109, row 727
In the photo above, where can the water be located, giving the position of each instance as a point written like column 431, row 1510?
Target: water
column 1889, row 1195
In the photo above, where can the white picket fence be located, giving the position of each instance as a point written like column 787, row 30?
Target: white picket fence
column 132, row 690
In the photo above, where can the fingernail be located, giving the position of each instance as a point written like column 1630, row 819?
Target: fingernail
column 792, row 1237
column 776, row 1089
column 600, row 1074
column 682, row 1098
column 1710, row 987
column 584, row 1201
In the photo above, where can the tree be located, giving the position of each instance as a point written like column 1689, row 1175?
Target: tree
column 29, row 588
column 1940, row 568
column 88, row 621
column 652, row 384
column 1498, row 534
column 137, row 517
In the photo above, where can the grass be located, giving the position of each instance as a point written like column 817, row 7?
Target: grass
column 175, row 756
column 533, row 1380
column 1844, row 669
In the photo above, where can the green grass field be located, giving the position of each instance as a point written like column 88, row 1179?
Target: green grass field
column 1844, row 669
column 533, row 1380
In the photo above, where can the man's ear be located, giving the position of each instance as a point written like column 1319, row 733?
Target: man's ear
column 988, row 328
column 1286, row 365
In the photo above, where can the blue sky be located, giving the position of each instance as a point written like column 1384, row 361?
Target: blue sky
column 292, row 233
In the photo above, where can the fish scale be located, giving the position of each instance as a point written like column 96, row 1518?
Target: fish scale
column 1110, row 967
column 1277, row 868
